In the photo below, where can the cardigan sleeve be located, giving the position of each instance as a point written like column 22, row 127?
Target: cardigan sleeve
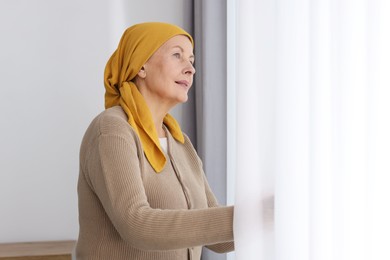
column 116, row 180
column 212, row 202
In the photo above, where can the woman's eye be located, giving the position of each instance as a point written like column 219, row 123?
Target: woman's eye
column 177, row 55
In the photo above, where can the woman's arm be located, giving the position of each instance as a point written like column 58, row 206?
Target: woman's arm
column 115, row 175
column 212, row 203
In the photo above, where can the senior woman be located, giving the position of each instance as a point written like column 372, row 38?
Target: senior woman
column 142, row 191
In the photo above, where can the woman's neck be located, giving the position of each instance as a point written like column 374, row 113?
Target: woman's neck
column 158, row 115
column 159, row 128
column 158, row 109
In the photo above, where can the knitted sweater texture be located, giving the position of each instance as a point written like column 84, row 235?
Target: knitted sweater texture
column 128, row 211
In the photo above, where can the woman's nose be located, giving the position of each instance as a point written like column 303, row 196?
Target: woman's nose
column 190, row 69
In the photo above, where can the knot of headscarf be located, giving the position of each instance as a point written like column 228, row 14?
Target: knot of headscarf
column 136, row 46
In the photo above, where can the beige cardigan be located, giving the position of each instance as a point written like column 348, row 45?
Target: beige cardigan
column 128, row 211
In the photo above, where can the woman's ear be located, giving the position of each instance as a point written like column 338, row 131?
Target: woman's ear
column 142, row 73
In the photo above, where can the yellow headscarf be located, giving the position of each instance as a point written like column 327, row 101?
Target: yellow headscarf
column 136, row 46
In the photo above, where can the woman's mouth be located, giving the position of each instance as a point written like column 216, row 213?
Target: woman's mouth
column 183, row 83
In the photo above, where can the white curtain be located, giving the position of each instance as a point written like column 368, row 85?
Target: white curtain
column 313, row 129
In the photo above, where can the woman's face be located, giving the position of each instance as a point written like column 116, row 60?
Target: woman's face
column 168, row 75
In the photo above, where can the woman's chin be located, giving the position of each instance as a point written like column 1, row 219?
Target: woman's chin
column 182, row 99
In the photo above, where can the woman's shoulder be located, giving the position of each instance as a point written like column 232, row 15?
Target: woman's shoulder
column 112, row 115
column 112, row 121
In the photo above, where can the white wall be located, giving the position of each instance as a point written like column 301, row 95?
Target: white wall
column 52, row 57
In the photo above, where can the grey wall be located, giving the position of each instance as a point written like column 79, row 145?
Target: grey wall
column 52, row 58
